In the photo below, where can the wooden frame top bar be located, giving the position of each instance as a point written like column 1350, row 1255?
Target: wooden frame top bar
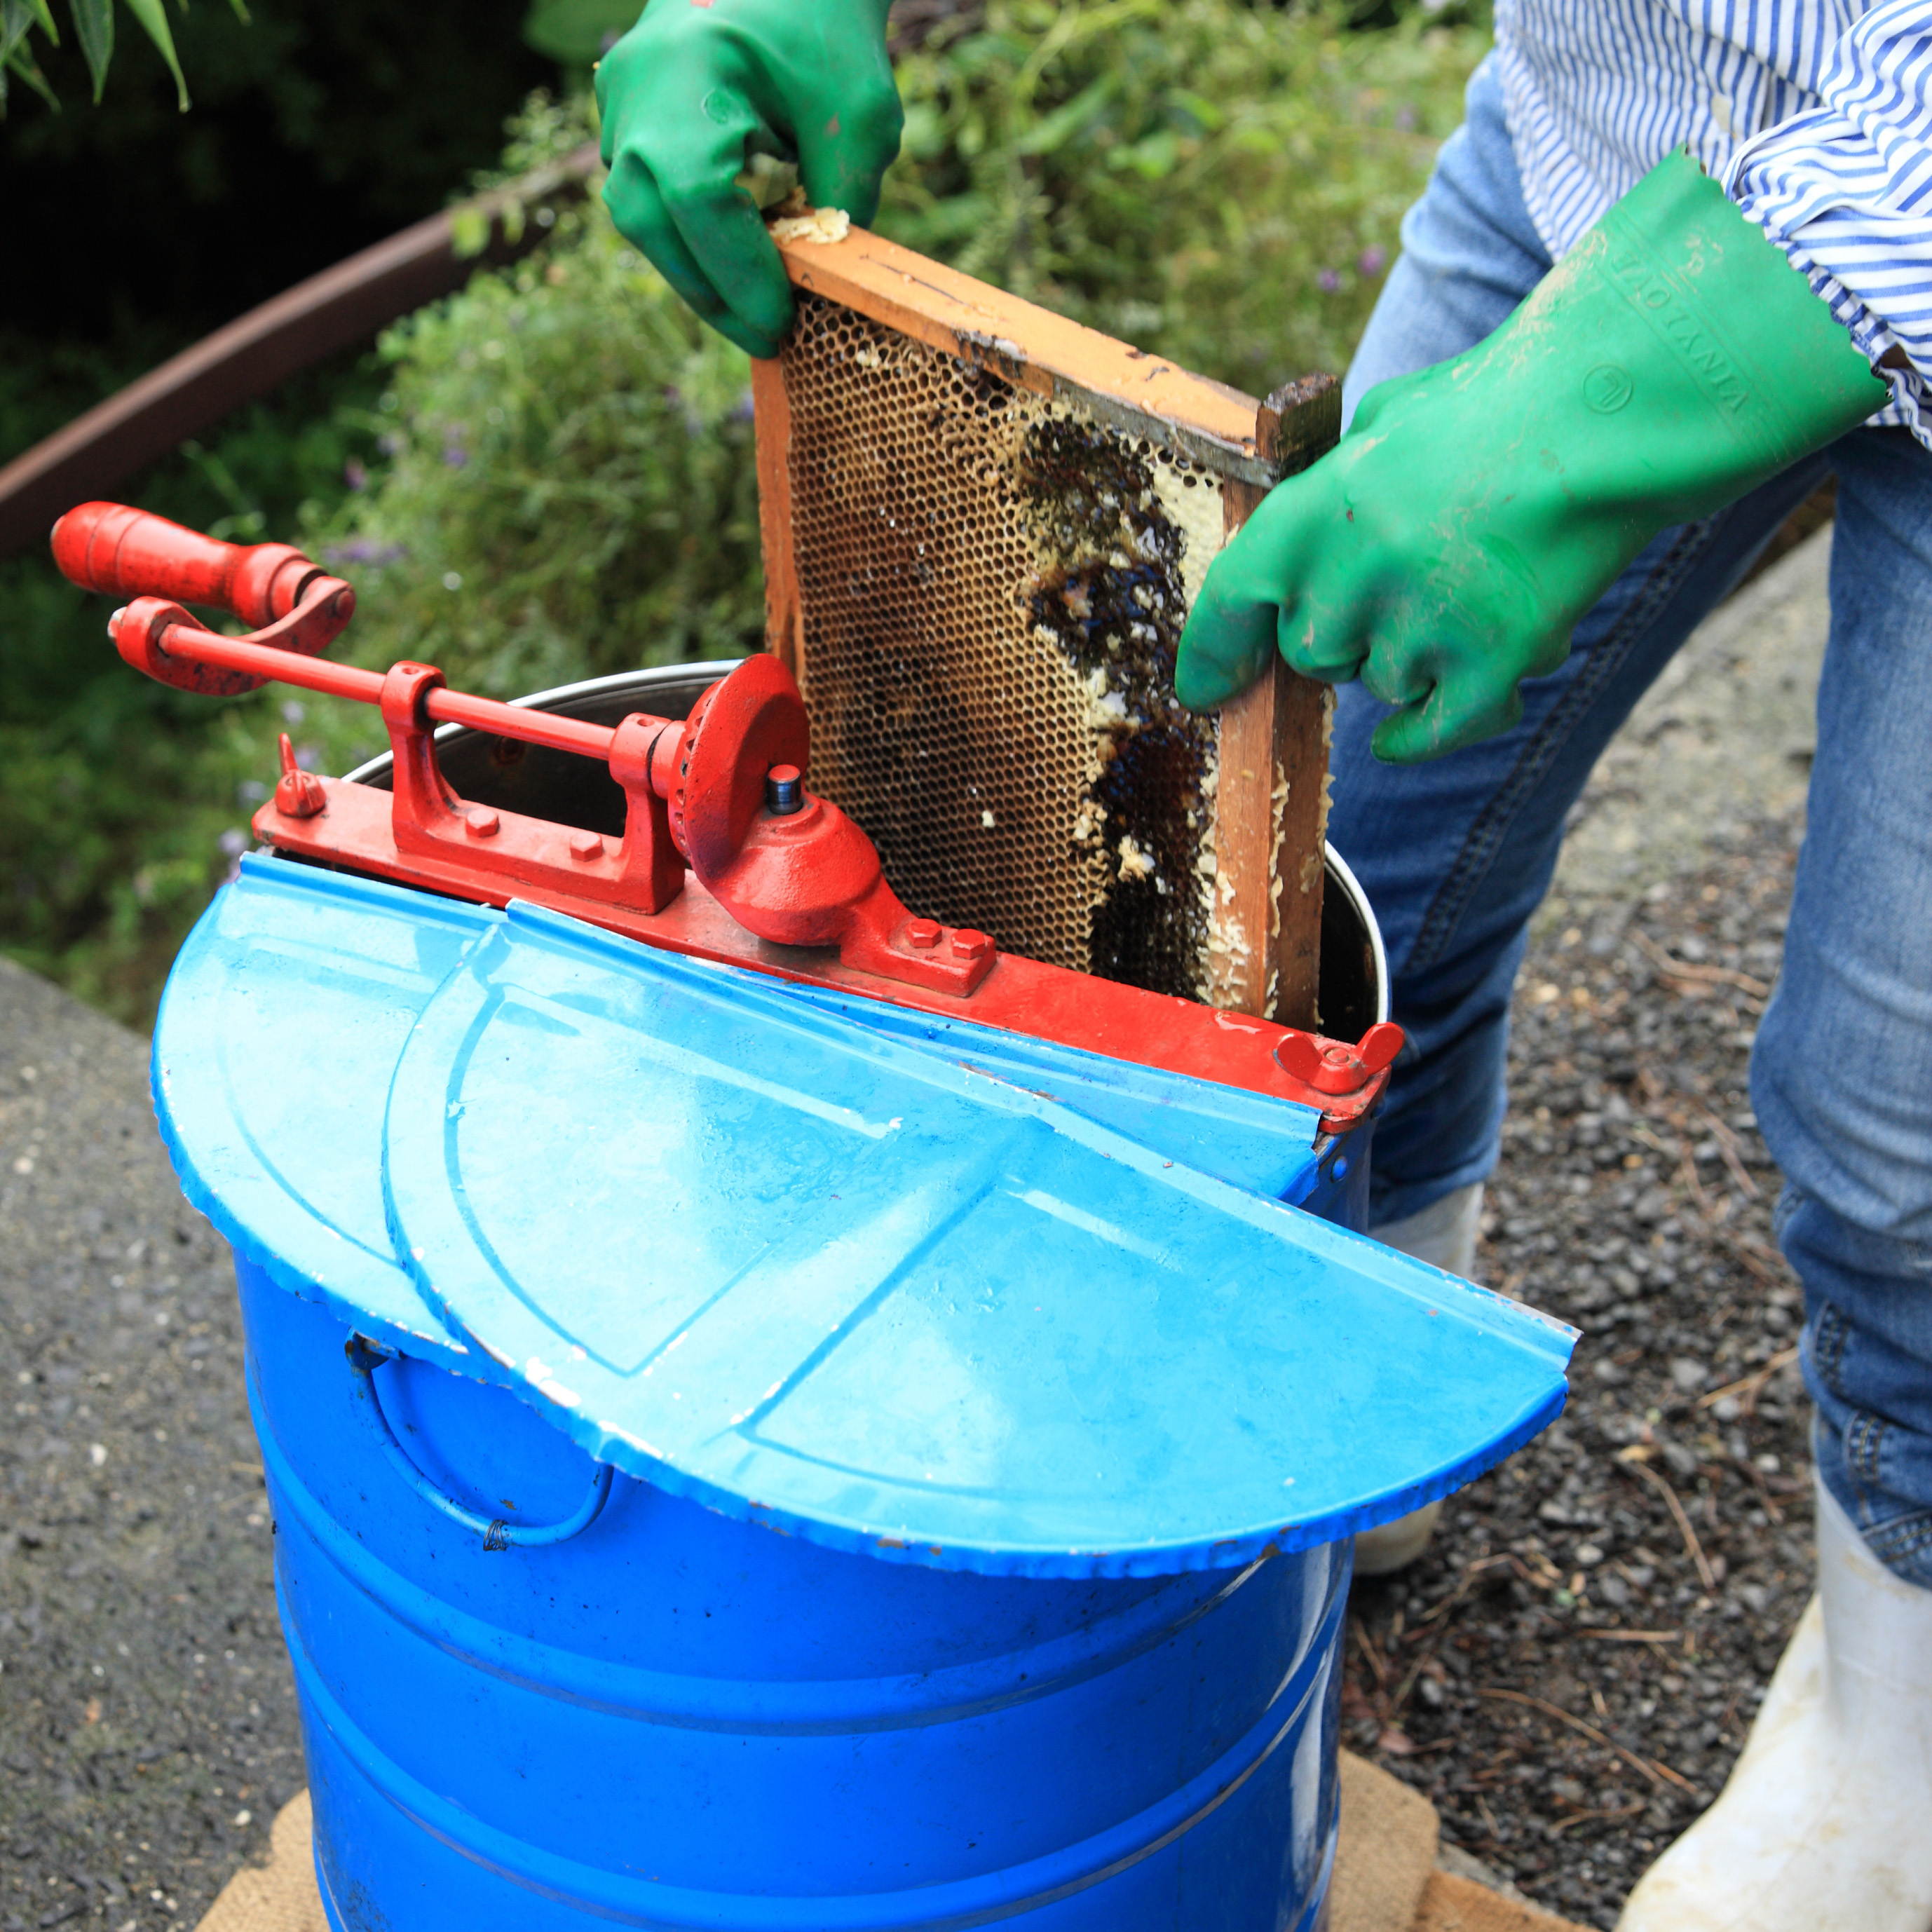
column 1126, row 388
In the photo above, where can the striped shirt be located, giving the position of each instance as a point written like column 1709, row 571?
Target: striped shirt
column 1815, row 114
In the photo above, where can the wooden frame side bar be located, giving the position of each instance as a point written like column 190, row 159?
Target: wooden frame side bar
column 1271, row 802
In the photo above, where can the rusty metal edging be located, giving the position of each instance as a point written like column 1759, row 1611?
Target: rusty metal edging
column 291, row 332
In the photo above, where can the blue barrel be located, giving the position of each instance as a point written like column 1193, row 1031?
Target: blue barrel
column 739, row 1461
column 674, row 1719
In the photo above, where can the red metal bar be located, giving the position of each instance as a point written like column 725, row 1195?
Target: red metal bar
column 357, row 830
column 187, row 642
column 511, row 721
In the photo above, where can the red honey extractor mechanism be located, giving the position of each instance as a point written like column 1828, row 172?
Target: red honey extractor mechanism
column 725, row 853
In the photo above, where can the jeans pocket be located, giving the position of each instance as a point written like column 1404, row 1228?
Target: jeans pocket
column 1903, row 1544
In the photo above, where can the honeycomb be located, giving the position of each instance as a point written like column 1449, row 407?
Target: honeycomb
column 992, row 586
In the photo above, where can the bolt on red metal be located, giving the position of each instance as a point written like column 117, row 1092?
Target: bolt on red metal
column 298, row 794
column 1329, row 1067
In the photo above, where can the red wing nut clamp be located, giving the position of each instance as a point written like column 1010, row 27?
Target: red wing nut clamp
column 1348, row 1079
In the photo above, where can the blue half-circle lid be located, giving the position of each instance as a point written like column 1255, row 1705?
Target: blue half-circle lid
column 278, row 1034
column 834, row 1277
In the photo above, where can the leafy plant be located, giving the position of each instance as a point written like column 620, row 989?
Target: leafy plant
column 1216, row 183
column 570, row 487
column 94, row 28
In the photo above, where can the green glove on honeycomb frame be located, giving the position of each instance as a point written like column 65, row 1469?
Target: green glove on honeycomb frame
column 698, row 89
column 1475, row 512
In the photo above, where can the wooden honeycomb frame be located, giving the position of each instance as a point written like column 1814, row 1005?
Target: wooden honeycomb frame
column 951, row 480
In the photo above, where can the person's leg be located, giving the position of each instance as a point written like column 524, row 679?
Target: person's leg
column 1455, row 855
column 1824, row 1821
column 1841, row 1075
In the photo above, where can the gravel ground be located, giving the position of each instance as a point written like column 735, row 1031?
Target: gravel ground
column 1569, row 1671
column 148, row 1730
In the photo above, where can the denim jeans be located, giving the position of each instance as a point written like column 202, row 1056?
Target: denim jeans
column 1456, row 854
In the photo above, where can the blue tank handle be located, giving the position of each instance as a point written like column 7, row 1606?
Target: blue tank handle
column 364, row 1358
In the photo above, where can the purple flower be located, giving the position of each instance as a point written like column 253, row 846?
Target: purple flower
column 354, row 474
column 390, row 444
column 233, row 842
column 743, row 410
column 364, row 550
column 1370, row 263
column 454, row 456
column 1327, row 281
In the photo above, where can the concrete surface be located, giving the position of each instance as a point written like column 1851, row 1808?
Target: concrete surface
column 147, row 1735
column 147, row 1721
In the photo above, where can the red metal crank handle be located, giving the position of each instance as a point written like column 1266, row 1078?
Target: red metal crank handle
column 130, row 553
column 150, row 628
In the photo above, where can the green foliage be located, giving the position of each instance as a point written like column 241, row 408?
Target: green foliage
column 94, row 28
column 122, row 803
column 571, row 488
column 1216, row 183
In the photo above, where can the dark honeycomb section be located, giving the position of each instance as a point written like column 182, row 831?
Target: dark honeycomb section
column 992, row 588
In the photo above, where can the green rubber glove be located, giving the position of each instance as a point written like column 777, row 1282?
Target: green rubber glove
column 697, row 89
column 1474, row 512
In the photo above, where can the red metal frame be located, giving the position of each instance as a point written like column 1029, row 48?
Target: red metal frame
column 795, row 891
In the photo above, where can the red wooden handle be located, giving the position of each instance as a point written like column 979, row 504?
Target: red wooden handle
column 131, row 553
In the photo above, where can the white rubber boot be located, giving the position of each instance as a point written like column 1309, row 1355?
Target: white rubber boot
column 1444, row 1235
column 1826, row 1823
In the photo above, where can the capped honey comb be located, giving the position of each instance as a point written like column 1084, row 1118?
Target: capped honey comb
column 983, row 528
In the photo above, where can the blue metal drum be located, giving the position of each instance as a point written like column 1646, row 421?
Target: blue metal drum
column 745, row 1458
column 675, row 1719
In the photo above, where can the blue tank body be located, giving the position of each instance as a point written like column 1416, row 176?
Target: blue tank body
column 740, row 1460
column 676, row 1719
